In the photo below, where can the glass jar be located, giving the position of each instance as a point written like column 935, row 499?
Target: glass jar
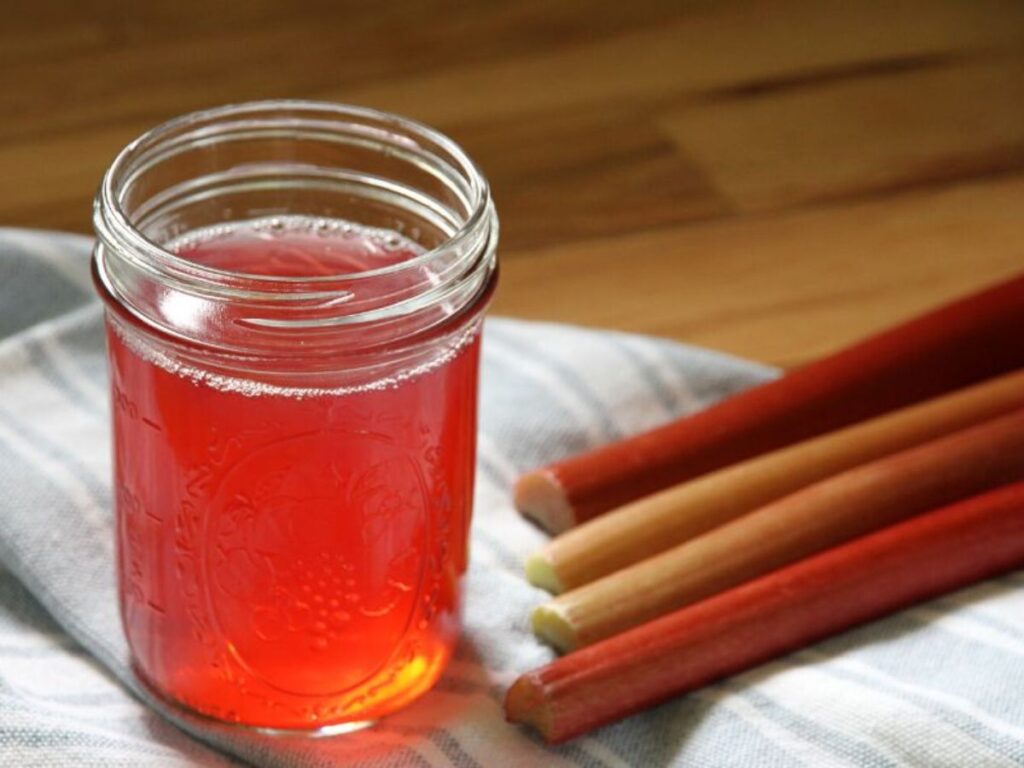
column 294, row 293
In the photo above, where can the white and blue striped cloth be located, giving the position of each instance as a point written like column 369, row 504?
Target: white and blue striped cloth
column 938, row 685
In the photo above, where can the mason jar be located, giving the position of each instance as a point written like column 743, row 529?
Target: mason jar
column 294, row 295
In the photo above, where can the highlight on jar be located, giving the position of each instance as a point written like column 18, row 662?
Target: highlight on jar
column 294, row 295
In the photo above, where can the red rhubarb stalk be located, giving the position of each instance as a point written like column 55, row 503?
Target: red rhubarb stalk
column 790, row 608
column 961, row 343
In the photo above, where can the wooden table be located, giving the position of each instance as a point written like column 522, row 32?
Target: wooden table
column 770, row 178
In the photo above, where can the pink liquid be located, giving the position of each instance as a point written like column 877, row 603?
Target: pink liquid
column 286, row 561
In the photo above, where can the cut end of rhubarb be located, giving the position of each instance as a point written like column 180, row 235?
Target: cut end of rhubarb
column 552, row 626
column 525, row 703
column 540, row 572
column 540, row 497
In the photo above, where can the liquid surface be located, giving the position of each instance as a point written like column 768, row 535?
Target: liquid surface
column 291, row 562
column 295, row 246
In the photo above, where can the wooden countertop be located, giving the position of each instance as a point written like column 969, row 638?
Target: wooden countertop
column 771, row 179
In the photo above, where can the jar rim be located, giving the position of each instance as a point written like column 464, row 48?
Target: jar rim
column 201, row 304
column 113, row 224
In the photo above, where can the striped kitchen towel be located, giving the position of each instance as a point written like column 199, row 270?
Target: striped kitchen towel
column 938, row 685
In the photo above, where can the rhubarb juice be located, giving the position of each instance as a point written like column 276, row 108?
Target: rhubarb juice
column 290, row 549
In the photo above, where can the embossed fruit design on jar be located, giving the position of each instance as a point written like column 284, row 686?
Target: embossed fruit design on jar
column 294, row 296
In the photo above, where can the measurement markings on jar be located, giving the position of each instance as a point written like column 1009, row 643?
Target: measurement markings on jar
column 128, row 406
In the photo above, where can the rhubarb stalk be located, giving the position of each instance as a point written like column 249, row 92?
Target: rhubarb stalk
column 661, row 521
column 819, row 516
column 959, row 344
column 859, row 581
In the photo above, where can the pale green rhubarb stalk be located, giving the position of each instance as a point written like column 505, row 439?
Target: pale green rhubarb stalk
column 822, row 515
column 663, row 520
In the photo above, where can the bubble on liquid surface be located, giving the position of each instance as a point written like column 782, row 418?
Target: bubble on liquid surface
column 249, row 388
column 295, row 246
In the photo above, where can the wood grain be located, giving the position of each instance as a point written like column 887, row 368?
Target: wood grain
column 785, row 287
column 861, row 136
column 773, row 179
